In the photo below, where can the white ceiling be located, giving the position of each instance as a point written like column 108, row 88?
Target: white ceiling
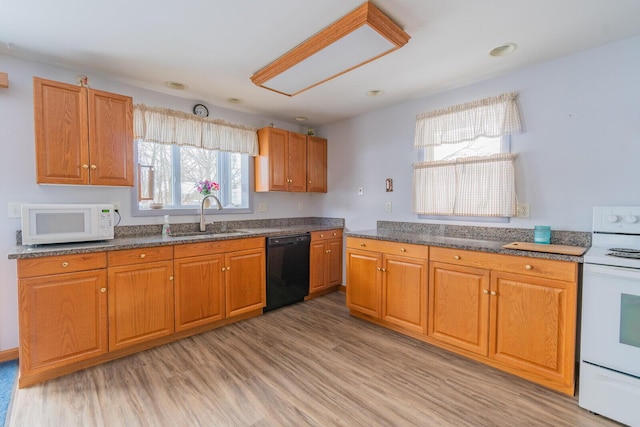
column 215, row 46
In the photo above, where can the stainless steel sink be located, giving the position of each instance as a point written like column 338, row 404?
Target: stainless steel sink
column 206, row 233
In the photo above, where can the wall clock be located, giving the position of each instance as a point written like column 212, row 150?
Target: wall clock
column 200, row 110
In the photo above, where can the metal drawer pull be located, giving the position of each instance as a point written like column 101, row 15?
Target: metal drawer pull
column 335, row 234
column 322, row 235
column 143, row 255
column 103, row 290
column 403, row 250
column 528, row 267
column 328, row 251
column 494, row 293
column 362, row 244
column 456, row 257
column 65, row 264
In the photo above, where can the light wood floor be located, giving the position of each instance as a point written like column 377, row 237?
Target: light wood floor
column 306, row 364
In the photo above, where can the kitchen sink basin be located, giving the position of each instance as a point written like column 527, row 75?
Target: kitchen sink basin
column 206, row 233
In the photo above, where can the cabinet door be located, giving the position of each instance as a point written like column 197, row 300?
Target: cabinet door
column 297, row 162
column 271, row 164
column 533, row 325
column 364, row 282
column 199, row 291
column 317, row 266
column 404, row 292
column 63, row 319
column 245, row 281
column 110, row 138
column 459, row 306
column 62, row 149
column 334, row 262
column 141, row 303
column 316, row 164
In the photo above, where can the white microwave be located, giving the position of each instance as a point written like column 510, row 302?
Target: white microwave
column 64, row 223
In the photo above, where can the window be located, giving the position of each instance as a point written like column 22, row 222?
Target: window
column 468, row 170
column 177, row 169
column 481, row 146
column 177, row 150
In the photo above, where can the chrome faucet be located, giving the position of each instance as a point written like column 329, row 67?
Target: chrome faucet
column 203, row 226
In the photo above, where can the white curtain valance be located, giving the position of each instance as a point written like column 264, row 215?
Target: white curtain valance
column 472, row 186
column 164, row 126
column 490, row 117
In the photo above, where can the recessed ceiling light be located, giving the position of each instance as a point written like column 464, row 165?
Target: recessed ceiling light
column 503, row 50
column 301, row 119
column 175, row 85
column 234, row 101
column 376, row 92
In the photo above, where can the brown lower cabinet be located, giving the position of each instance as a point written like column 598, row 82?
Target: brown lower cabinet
column 81, row 310
column 515, row 313
column 325, row 260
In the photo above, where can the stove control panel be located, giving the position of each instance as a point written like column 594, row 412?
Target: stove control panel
column 616, row 219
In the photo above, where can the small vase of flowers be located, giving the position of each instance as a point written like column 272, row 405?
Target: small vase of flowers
column 207, row 187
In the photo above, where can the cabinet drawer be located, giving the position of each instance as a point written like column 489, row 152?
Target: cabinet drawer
column 325, row 234
column 218, row 247
column 32, row 267
column 136, row 256
column 551, row 269
column 396, row 248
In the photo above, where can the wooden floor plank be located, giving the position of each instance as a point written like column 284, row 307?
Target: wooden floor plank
column 310, row 364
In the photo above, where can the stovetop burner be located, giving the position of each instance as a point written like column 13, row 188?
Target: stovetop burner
column 625, row 254
column 625, row 250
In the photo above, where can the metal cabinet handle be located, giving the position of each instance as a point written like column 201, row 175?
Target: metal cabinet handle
column 143, row 255
column 378, row 268
column 403, row 250
column 228, row 268
column 528, row 267
column 103, row 290
column 335, row 234
column 309, row 182
column 65, row 264
column 456, row 257
column 170, row 277
column 85, row 166
column 494, row 293
column 93, row 167
column 485, row 291
column 223, row 269
column 362, row 244
column 384, row 270
column 322, row 235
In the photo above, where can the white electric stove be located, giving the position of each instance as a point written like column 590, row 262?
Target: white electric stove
column 610, row 337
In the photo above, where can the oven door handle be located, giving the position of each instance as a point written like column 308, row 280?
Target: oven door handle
column 609, row 270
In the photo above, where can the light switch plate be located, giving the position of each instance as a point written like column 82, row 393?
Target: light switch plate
column 15, row 210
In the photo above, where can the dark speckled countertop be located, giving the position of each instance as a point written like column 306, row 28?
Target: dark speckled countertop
column 132, row 237
column 482, row 239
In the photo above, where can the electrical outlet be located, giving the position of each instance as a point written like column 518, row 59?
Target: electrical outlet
column 262, row 207
column 116, row 206
column 522, row 210
column 360, row 191
column 300, row 206
column 15, row 210
column 387, row 206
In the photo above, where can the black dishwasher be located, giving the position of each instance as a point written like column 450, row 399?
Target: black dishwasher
column 287, row 270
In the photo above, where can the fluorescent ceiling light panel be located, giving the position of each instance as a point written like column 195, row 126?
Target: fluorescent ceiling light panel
column 361, row 36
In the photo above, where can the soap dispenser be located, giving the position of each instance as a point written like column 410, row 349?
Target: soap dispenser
column 166, row 228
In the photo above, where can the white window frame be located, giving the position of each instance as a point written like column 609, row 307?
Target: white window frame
column 247, row 189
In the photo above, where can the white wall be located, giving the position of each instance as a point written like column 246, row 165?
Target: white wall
column 580, row 146
column 17, row 169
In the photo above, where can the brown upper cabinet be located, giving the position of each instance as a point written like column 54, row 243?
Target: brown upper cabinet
column 83, row 136
column 316, row 164
column 290, row 161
